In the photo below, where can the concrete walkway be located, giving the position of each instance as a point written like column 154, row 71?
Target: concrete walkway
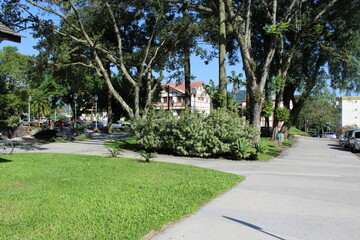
column 310, row 192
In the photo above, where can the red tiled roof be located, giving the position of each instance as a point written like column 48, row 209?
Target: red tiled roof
column 181, row 86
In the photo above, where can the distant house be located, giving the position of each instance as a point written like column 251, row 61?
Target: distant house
column 349, row 111
column 173, row 98
column 8, row 34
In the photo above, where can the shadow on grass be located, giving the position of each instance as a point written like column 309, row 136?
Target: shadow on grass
column 4, row 160
column 124, row 143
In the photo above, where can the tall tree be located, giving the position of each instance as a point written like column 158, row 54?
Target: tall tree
column 327, row 54
column 149, row 22
column 261, row 37
column 222, row 51
column 13, row 83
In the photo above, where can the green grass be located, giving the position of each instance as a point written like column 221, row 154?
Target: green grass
column 295, row 131
column 63, row 196
column 123, row 143
column 274, row 149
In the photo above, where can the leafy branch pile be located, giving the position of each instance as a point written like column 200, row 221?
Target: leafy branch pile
column 221, row 134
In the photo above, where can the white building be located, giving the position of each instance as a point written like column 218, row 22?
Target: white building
column 173, row 98
column 349, row 111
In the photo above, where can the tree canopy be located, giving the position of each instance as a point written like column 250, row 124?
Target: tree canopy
column 286, row 47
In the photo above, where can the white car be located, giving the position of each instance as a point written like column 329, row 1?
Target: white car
column 25, row 122
column 99, row 125
column 355, row 141
column 120, row 125
column 330, row 135
column 43, row 119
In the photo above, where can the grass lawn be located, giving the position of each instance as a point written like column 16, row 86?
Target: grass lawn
column 63, row 196
column 295, row 131
column 273, row 149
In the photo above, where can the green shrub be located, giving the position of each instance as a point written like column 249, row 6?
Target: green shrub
column 114, row 152
column 282, row 114
column 260, row 147
column 13, row 121
column 242, row 149
column 146, row 155
column 192, row 134
column 80, row 128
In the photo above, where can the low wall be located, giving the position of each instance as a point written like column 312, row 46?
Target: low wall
column 11, row 132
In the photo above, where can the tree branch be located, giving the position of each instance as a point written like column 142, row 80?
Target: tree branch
column 54, row 12
column 119, row 40
column 194, row 6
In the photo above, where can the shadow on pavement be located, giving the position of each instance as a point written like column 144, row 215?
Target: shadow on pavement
column 108, row 136
column 253, row 227
column 337, row 147
column 31, row 147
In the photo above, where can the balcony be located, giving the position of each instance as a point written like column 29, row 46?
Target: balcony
column 176, row 106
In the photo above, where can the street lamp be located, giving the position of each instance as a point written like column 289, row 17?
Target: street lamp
column 29, row 112
column 56, row 102
column 96, row 98
column 50, row 100
column 194, row 92
column 75, row 96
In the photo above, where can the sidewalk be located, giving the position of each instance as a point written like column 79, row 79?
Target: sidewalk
column 313, row 192
column 310, row 192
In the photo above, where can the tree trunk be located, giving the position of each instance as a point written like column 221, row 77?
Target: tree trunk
column 255, row 115
column 187, row 71
column 137, row 101
column 222, row 54
column 110, row 114
column 150, row 91
column 187, row 78
column 112, row 90
column 109, row 103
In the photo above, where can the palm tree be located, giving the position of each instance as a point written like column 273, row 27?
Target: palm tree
column 236, row 81
column 40, row 106
column 211, row 89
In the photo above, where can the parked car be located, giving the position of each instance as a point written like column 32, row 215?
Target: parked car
column 341, row 141
column 98, row 124
column 125, row 125
column 330, row 135
column 120, row 125
column 43, row 119
column 354, row 141
column 347, row 136
column 63, row 123
column 314, row 134
column 25, row 122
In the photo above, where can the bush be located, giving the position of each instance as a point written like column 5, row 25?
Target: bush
column 241, row 149
column 193, row 134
